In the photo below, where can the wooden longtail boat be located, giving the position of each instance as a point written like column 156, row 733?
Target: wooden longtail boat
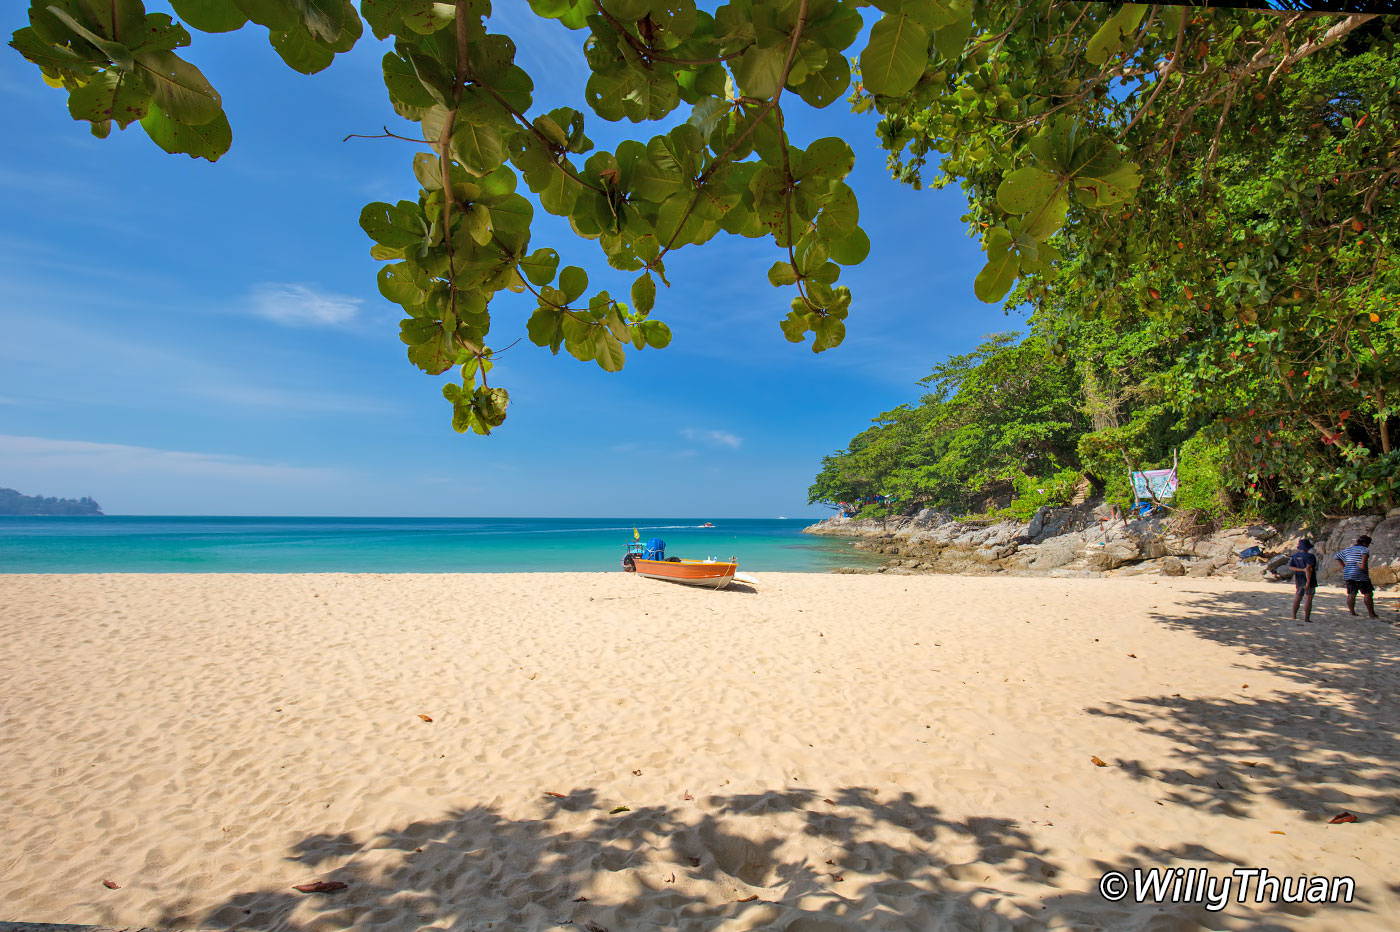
column 711, row 574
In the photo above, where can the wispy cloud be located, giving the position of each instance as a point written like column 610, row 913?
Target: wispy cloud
column 715, row 438
column 108, row 459
column 296, row 305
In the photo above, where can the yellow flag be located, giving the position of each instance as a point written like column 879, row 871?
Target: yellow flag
column 635, row 535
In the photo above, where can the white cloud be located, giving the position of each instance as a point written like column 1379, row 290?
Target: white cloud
column 31, row 454
column 717, row 438
column 295, row 305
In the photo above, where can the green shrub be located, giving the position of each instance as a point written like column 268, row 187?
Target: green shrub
column 1032, row 492
column 1201, row 473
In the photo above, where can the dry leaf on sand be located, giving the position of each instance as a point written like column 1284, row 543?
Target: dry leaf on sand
column 321, row 886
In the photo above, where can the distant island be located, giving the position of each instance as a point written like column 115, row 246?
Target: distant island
column 13, row 503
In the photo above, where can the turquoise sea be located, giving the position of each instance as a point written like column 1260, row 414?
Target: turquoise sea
column 128, row 544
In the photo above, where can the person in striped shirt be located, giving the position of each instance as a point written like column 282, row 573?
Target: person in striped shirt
column 1356, row 572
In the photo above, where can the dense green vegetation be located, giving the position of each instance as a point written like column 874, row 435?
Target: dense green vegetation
column 1202, row 224
column 13, row 503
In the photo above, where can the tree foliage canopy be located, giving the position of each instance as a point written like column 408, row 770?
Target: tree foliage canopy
column 1233, row 175
column 1230, row 175
column 719, row 79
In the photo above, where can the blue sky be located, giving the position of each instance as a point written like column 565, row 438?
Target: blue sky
column 188, row 338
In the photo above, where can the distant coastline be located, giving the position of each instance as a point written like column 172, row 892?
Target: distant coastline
column 14, row 503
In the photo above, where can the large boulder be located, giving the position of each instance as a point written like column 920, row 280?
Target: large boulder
column 1056, row 552
column 1111, row 555
column 1385, row 551
column 1172, row 566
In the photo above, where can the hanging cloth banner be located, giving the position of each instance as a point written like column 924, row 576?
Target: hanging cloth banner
column 1159, row 484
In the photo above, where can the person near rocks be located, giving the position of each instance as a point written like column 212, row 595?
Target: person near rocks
column 1356, row 572
column 1304, row 566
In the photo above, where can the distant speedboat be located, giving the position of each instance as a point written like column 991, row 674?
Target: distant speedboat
column 707, row 524
column 650, row 560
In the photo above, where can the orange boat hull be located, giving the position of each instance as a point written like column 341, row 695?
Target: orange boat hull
column 689, row 572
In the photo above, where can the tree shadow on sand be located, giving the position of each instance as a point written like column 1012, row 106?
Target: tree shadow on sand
column 1333, row 745
column 793, row 860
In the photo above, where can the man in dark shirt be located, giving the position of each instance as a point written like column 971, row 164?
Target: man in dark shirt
column 1304, row 566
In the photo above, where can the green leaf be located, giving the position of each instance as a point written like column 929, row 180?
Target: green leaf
column 706, row 114
column 1107, row 42
column 657, row 334
column 210, row 15
column 573, row 281
column 829, row 332
column 478, row 146
column 181, row 91
column 644, row 293
column 117, row 52
column 950, row 40
column 828, row 85
column 274, row 14
column 478, row 221
column 120, row 96
column 511, row 215
column 895, row 57
column 545, row 328
column 403, row 84
column 323, row 19
column 540, row 265
column 829, row 157
column 205, row 141
column 399, row 284
column 782, row 273
column 1103, row 176
column 393, row 225
column 301, row 51
column 851, row 249
column 999, row 274
column 759, row 71
column 1025, row 189
column 608, row 351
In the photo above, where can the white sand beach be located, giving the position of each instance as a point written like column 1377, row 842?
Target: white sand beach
column 821, row 753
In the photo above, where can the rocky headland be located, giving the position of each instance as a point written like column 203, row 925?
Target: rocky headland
column 1090, row 539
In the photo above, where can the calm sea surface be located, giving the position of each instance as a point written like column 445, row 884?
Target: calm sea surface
column 120, row 544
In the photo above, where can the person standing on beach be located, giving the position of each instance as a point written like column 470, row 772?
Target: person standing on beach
column 1356, row 572
column 1304, row 566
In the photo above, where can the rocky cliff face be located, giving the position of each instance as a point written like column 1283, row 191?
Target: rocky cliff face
column 1086, row 540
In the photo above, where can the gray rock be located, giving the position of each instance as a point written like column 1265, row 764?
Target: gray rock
column 1200, row 569
column 1385, row 552
column 1172, row 566
column 1111, row 555
column 1250, row 572
column 1056, row 552
column 1037, row 521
